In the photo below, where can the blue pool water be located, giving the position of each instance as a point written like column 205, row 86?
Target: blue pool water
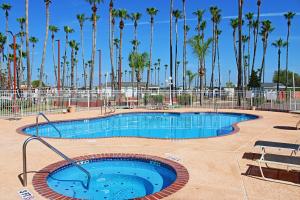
column 113, row 179
column 150, row 125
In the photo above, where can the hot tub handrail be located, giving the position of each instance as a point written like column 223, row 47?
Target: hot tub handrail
column 69, row 160
column 49, row 122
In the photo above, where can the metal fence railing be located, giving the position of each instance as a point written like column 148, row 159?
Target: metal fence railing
column 24, row 103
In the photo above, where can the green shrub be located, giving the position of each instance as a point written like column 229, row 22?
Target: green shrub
column 185, row 99
column 153, row 99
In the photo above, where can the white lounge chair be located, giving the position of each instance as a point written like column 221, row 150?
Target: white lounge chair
column 290, row 162
column 295, row 148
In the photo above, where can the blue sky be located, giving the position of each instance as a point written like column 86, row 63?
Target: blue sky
column 64, row 12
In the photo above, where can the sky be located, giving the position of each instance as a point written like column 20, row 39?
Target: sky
column 63, row 12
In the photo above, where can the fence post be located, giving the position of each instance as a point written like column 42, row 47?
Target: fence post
column 290, row 100
column 88, row 100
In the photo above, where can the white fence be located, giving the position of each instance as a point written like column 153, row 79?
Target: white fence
column 26, row 103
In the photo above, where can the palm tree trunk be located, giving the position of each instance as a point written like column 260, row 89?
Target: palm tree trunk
column 93, row 50
column 65, row 62
column 54, row 63
column 32, row 61
column 176, row 53
column 287, row 59
column 240, row 3
column 184, row 44
column 213, row 56
column 249, row 40
column 255, row 39
column 8, row 75
column 72, row 70
column 150, row 61
column 82, row 56
column 120, row 62
column 171, row 45
column 278, row 70
column 234, row 46
column 45, row 46
column 262, row 70
column 27, row 46
column 111, row 47
column 219, row 65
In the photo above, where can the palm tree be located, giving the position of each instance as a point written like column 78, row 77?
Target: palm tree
column 67, row 30
column 218, row 33
column 171, row 46
column 279, row 44
column 178, row 15
column 199, row 14
column 240, row 17
column 33, row 41
column 53, row 30
column 93, row 3
column 200, row 49
column 191, row 77
column 122, row 15
column 47, row 3
column 245, row 39
column 81, row 19
column 111, row 22
column 140, row 62
column 184, row 43
column 255, row 33
column 266, row 29
column 152, row 12
column 249, row 17
column 215, row 12
column 234, row 24
column 2, row 44
column 288, row 16
column 135, row 17
column 114, row 14
column 74, row 45
column 29, row 70
column 21, row 35
column 202, row 28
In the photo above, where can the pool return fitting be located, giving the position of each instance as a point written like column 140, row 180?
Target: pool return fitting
column 69, row 160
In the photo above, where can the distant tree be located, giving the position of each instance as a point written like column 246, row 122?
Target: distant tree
column 282, row 78
column 254, row 81
column 36, row 84
column 279, row 44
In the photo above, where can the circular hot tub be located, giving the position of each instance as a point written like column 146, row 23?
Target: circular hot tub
column 113, row 176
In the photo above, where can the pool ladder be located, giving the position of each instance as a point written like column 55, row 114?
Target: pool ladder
column 49, row 122
column 69, row 160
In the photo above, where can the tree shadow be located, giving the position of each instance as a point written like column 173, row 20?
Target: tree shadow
column 272, row 173
column 289, row 128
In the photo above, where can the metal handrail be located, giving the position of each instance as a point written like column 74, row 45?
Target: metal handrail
column 69, row 160
column 49, row 122
column 111, row 108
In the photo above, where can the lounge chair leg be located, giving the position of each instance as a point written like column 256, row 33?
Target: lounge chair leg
column 261, row 171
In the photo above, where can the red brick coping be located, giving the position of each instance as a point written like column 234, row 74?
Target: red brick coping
column 40, row 179
column 235, row 127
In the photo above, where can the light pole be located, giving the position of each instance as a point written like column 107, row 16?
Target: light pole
column 58, row 67
column 169, row 82
column 15, row 64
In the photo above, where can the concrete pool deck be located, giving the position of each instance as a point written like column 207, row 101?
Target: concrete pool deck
column 217, row 166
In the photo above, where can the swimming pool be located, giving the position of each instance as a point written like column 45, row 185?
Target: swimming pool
column 148, row 125
column 113, row 177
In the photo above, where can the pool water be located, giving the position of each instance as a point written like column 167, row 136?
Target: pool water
column 149, row 125
column 113, row 179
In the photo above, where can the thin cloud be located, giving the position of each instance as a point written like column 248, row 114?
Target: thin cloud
column 280, row 14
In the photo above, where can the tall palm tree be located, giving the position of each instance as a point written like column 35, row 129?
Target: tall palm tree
column 255, row 33
column 234, row 24
column 21, row 35
column 177, row 15
column 47, row 3
column 171, row 45
column 114, row 14
column 266, row 29
column 202, row 29
column 288, row 16
column 29, row 70
column 152, row 12
column 215, row 13
column 33, row 41
column 122, row 15
column 184, row 44
column 200, row 49
column 245, row 39
column 279, row 44
column 81, row 19
column 218, row 33
column 111, row 22
column 199, row 14
column 249, row 17
column 74, row 45
column 93, row 3
column 240, row 26
column 53, row 30
column 67, row 30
